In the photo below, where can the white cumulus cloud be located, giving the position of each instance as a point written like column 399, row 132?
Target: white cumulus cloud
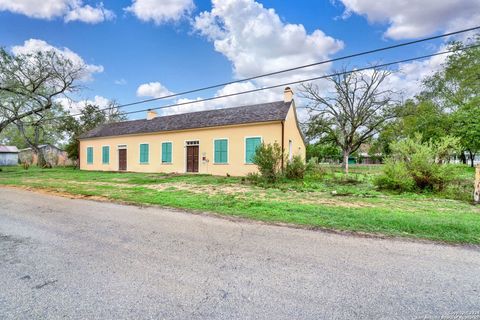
column 197, row 104
column 76, row 106
column 70, row 10
column 89, row 14
column 413, row 18
column 257, row 41
column 160, row 11
column 35, row 45
column 153, row 90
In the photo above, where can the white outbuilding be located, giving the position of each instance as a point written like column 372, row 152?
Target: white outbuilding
column 8, row 156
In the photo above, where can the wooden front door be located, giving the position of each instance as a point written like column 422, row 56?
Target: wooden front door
column 192, row 158
column 122, row 159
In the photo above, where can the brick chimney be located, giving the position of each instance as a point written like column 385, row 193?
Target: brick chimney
column 287, row 95
column 151, row 114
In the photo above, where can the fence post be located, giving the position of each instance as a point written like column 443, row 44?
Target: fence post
column 476, row 193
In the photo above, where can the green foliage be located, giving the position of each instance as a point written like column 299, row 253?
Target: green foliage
column 355, row 113
column 91, row 116
column 456, row 89
column 314, row 170
column 295, row 168
column 268, row 158
column 325, row 152
column 467, row 127
column 416, row 166
column 395, row 177
column 310, row 203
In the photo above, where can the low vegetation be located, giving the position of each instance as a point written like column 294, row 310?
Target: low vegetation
column 325, row 198
column 418, row 166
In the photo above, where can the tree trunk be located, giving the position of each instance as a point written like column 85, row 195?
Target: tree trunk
column 346, row 155
column 40, row 157
column 476, row 193
column 472, row 158
column 463, row 158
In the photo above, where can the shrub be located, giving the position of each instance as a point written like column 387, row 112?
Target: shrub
column 268, row 158
column 25, row 165
column 295, row 168
column 314, row 170
column 253, row 177
column 395, row 176
column 414, row 165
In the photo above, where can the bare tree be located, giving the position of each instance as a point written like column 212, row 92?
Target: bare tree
column 354, row 113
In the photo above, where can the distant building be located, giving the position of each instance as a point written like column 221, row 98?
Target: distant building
column 8, row 156
column 365, row 156
column 53, row 155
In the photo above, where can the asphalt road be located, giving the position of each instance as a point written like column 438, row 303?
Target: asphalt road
column 78, row 259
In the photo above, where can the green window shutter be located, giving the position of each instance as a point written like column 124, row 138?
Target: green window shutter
column 166, row 152
column 90, row 155
column 106, row 155
column 220, row 151
column 251, row 144
column 144, row 153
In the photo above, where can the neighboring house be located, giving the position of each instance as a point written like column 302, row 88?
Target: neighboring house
column 365, row 156
column 218, row 142
column 8, row 156
column 52, row 154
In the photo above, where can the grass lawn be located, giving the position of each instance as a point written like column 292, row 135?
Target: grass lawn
column 331, row 201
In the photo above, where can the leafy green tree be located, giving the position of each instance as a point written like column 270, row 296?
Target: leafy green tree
column 324, row 152
column 456, row 89
column 467, row 128
column 30, row 84
column 91, row 116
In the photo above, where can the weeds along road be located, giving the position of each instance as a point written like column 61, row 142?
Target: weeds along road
column 78, row 259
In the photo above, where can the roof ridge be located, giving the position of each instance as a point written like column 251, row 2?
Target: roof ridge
column 200, row 111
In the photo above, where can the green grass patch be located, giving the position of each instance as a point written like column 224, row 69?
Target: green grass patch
column 334, row 201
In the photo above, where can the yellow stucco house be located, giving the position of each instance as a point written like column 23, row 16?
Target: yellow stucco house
column 217, row 142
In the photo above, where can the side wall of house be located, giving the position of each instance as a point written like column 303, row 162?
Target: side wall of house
column 236, row 135
column 293, row 141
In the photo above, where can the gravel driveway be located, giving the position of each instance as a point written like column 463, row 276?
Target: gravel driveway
column 78, row 259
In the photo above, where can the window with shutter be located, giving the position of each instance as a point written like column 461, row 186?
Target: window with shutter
column 220, row 151
column 90, row 155
column 166, row 152
column 144, row 153
column 105, row 154
column 251, row 144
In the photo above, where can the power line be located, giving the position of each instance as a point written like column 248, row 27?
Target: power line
column 294, row 82
column 358, row 54
column 304, row 80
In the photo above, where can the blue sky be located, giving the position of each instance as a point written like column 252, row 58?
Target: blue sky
column 163, row 41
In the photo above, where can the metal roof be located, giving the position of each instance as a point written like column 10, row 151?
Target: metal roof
column 8, row 149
